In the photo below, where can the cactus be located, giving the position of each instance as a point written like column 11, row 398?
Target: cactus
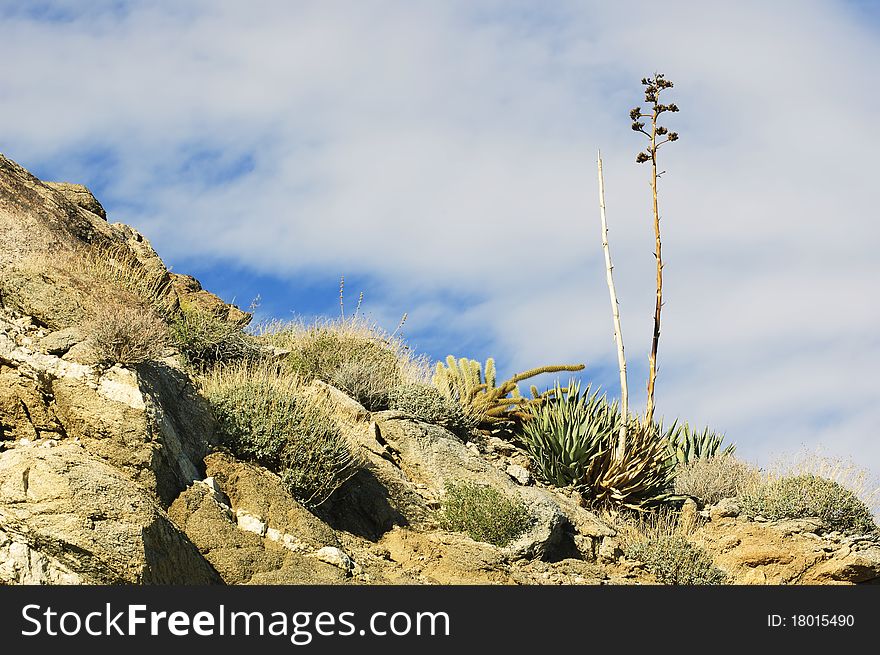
column 474, row 386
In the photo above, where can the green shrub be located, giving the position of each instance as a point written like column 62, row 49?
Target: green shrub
column 426, row 403
column 483, row 513
column 675, row 561
column 263, row 418
column 713, row 478
column 205, row 340
column 126, row 333
column 572, row 437
column 802, row 496
column 351, row 354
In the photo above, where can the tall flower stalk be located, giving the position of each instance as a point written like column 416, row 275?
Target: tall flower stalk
column 658, row 136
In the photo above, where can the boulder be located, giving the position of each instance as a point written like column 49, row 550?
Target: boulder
column 80, row 196
column 68, row 517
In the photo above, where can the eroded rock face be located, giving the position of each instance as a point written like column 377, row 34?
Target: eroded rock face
column 252, row 531
column 794, row 551
column 68, row 517
column 80, row 196
column 148, row 422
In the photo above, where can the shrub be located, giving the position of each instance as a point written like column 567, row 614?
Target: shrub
column 713, row 478
column 126, row 333
column 675, row 561
column 809, row 495
column 483, row 513
column 571, row 439
column 659, row 540
column 351, row 354
column 427, row 404
column 843, row 471
column 263, row 418
column 205, row 340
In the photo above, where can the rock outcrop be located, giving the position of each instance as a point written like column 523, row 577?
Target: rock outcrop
column 112, row 474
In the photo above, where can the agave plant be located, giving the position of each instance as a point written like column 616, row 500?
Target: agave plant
column 567, row 434
column 642, row 477
column 572, row 437
column 688, row 445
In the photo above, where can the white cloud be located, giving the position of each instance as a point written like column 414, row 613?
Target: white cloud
column 449, row 148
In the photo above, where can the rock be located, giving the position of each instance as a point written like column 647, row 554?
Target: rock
column 67, row 517
column 519, row 473
column 149, row 422
column 262, row 505
column 264, row 537
column 191, row 295
column 60, row 341
column 39, row 225
column 80, row 196
column 237, row 555
column 688, row 518
column 610, row 550
column 847, row 566
column 83, row 353
column 446, row 558
column 784, row 552
column 725, row 508
column 337, row 557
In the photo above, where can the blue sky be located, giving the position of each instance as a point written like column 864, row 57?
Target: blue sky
column 441, row 156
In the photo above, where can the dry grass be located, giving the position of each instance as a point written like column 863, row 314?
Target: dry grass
column 126, row 333
column 713, row 478
column 352, row 354
column 103, row 271
column 205, row 340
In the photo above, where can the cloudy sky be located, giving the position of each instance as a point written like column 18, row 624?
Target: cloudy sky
column 441, row 156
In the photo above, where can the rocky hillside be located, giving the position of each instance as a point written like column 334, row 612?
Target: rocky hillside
column 119, row 472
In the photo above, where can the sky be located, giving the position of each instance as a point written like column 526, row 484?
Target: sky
column 442, row 157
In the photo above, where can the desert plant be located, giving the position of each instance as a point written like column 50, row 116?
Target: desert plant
column 688, row 445
column 105, row 270
column 126, row 333
column 263, row 417
column 466, row 381
column 483, row 513
column 356, row 356
column 808, row 495
column 643, row 476
column 426, row 403
column 659, row 539
column 653, row 87
column 565, row 435
column 675, row 561
column 709, row 479
column 615, row 316
column 844, row 471
column 205, row 340
column 571, row 439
